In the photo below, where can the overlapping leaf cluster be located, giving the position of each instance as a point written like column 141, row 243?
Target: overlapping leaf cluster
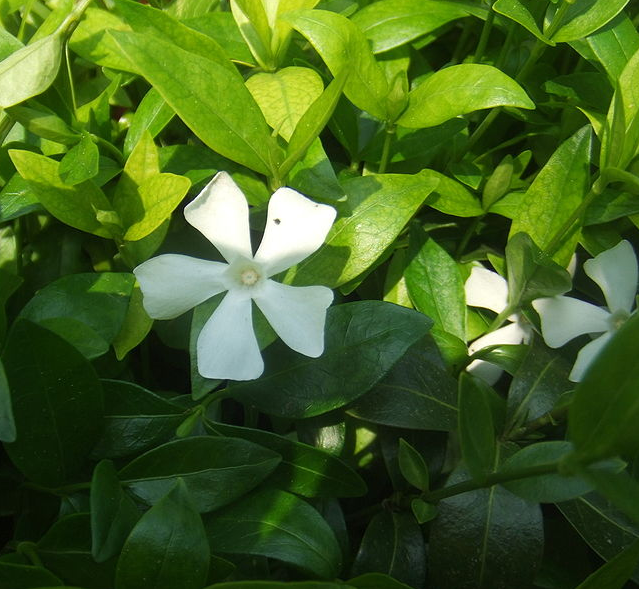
column 445, row 133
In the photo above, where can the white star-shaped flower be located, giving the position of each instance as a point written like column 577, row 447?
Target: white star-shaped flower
column 564, row 318
column 227, row 347
column 489, row 290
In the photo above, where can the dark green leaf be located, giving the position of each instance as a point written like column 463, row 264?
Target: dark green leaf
column 277, row 525
column 375, row 581
column 364, row 340
column 304, row 470
column 167, row 548
column 57, row 404
column 113, row 513
column 393, row 544
column 604, row 410
column 7, row 422
column 615, row 573
column 485, row 539
column 21, row 576
column 215, row 470
column 87, row 310
column 412, row 466
column 17, row 199
column 476, row 426
column 417, row 393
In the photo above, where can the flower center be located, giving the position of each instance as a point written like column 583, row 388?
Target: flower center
column 249, row 277
column 618, row 318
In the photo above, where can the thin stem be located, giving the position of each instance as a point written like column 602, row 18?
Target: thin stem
column 216, row 396
column 558, row 18
column 25, row 17
column 538, row 48
column 481, row 129
column 510, row 35
column 18, row 237
column 483, row 38
column 461, row 43
column 549, row 418
column 388, row 139
column 490, row 480
column 74, row 102
column 72, row 19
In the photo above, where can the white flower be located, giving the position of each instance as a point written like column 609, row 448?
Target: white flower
column 564, row 318
column 227, row 347
column 489, row 290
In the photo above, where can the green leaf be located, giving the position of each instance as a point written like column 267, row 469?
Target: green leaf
column 277, row 525
column 304, row 470
column 135, row 420
column 167, row 548
column 556, row 192
column 606, row 530
column 531, row 274
column 412, row 466
column 312, row 123
column 113, row 512
column 380, row 206
column 341, row 44
column 393, row 544
column 435, row 285
column 21, row 576
column 230, row 466
column 57, row 404
column 423, row 512
column 451, row 197
column 537, row 385
column 611, row 46
column 615, row 573
column 152, row 115
column 211, row 100
column 619, row 487
column 30, row 70
column 528, row 14
column 81, row 162
column 253, row 23
column 7, row 421
column 17, row 199
column 549, row 488
column 44, row 123
column 87, row 310
column 135, row 327
column 66, row 550
column 417, row 393
column 392, row 23
column 476, row 426
column 77, row 206
column 284, row 96
column 485, row 539
column 458, row 90
column 604, row 410
column 281, row 585
column 364, row 340
column 586, row 17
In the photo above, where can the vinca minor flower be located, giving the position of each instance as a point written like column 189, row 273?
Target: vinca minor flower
column 227, row 347
column 564, row 318
column 487, row 289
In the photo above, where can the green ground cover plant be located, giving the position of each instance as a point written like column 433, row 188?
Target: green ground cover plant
column 319, row 294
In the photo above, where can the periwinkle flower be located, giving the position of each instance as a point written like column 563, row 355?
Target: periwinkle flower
column 564, row 318
column 227, row 347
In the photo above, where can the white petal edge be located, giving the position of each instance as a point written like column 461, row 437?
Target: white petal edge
column 295, row 228
column 486, row 289
column 220, row 213
column 488, row 372
column 227, row 346
column 564, row 318
column 297, row 314
column 616, row 273
column 172, row 284
column 586, row 356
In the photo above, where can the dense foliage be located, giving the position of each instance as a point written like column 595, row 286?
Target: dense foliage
column 463, row 144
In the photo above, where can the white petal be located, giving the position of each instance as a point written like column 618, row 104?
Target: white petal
column 486, row 289
column 220, row 213
column 488, row 372
column 587, row 355
column 196, row 281
column 615, row 271
column 297, row 314
column 226, row 346
column 295, row 228
column 564, row 318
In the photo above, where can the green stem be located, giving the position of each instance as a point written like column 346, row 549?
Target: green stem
column 478, row 133
column 549, row 418
column 569, row 224
column 505, row 49
column 29, row 550
column 18, row 236
column 25, row 17
column 109, row 147
column 73, row 18
column 74, row 102
column 461, row 43
column 490, row 480
column 388, row 139
column 483, row 38
column 216, row 396
column 538, row 48
column 468, row 234
column 558, row 18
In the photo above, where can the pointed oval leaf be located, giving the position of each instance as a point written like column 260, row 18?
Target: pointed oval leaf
column 57, row 404
column 215, row 470
column 81, row 162
column 587, row 16
column 167, row 548
column 458, row 90
column 277, row 525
